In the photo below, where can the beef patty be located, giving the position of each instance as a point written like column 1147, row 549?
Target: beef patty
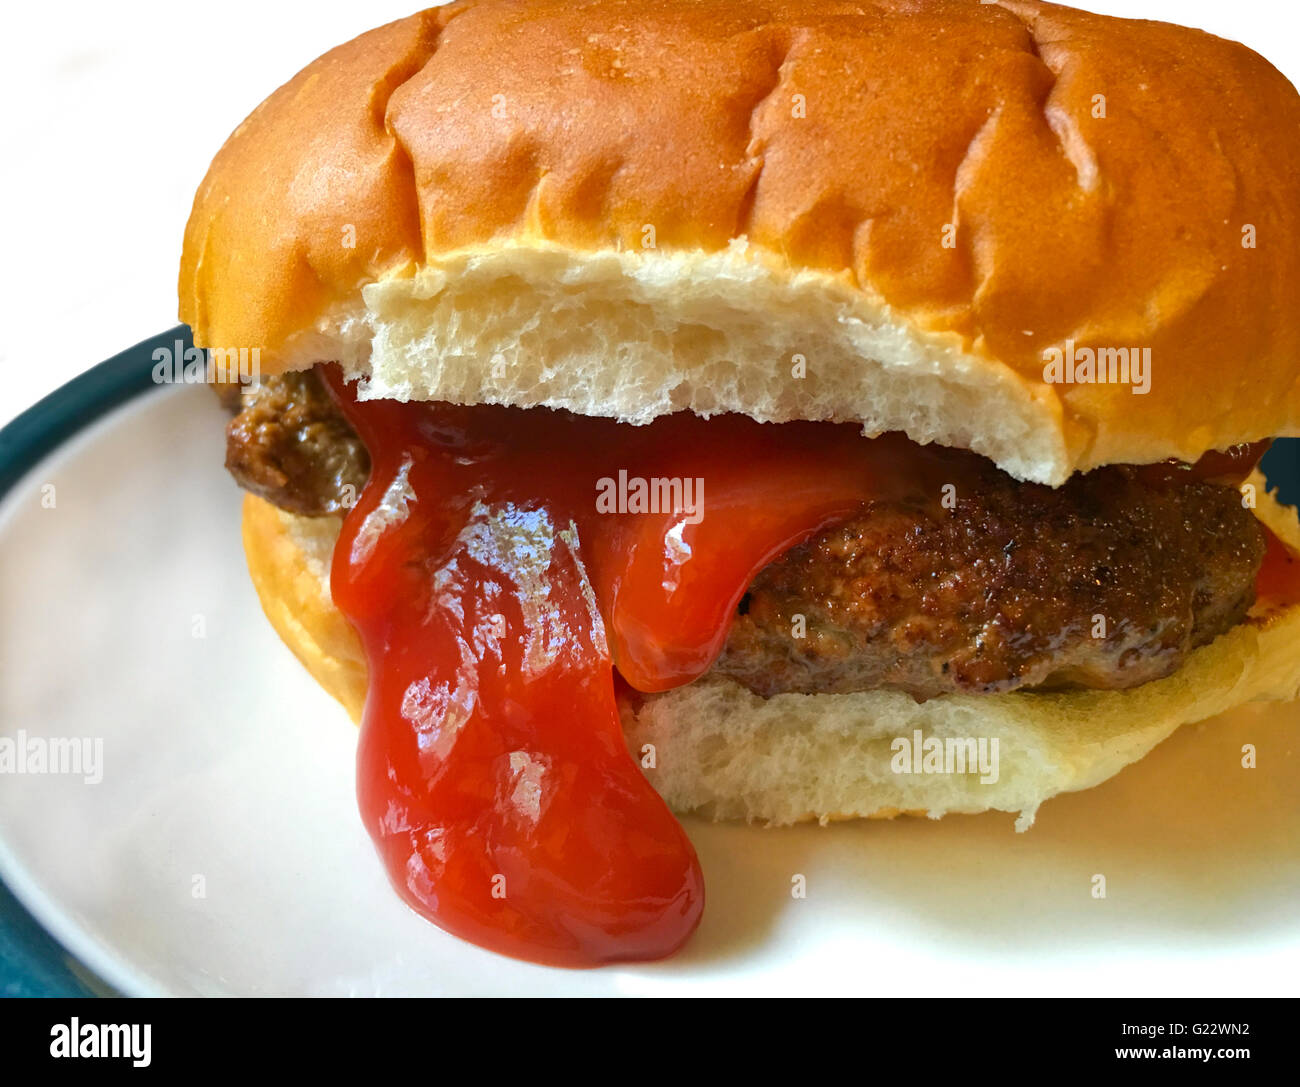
column 1108, row 582
column 290, row 444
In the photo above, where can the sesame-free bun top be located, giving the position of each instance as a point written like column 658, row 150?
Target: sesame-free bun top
column 886, row 211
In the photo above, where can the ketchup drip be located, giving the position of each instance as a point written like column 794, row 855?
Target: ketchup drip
column 495, row 599
column 1228, row 467
column 1279, row 574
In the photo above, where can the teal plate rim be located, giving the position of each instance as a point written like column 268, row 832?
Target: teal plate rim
column 32, row 962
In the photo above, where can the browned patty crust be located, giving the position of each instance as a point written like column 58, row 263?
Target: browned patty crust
column 1108, row 581
column 290, row 444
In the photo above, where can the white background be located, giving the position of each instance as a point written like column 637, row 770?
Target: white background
column 112, row 111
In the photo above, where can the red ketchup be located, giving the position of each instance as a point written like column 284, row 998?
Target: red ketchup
column 1279, row 574
column 495, row 593
column 1229, row 467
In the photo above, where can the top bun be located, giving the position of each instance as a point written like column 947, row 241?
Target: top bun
column 886, row 211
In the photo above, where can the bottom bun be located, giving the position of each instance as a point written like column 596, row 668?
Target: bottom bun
column 716, row 748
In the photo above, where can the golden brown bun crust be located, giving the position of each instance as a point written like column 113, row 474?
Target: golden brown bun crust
column 727, row 753
column 288, row 560
column 529, row 121
column 263, row 249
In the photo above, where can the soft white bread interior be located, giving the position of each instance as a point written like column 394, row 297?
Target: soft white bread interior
column 636, row 335
column 720, row 750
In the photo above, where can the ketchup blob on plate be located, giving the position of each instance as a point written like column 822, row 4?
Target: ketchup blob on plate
column 499, row 566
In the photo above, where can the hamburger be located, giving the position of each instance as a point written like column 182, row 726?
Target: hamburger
column 776, row 411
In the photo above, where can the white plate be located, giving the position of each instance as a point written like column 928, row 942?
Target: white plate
column 225, row 763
